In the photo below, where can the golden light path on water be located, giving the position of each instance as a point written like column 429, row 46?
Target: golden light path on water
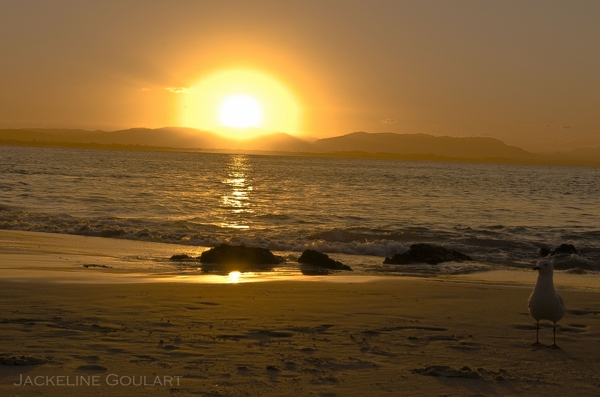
column 237, row 200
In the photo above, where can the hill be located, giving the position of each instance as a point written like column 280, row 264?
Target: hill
column 422, row 144
column 356, row 145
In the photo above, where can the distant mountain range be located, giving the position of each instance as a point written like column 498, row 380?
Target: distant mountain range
column 421, row 144
column 357, row 144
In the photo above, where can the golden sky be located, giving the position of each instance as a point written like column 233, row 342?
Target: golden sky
column 525, row 72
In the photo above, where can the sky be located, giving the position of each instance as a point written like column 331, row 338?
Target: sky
column 524, row 72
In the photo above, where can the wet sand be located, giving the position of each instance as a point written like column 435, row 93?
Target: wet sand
column 355, row 337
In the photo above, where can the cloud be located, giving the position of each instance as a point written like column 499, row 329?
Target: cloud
column 388, row 121
column 144, row 89
column 179, row 90
column 564, row 127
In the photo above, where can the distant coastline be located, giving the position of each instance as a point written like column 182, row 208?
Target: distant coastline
column 424, row 147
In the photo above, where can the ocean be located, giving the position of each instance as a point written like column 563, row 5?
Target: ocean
column 361, row 210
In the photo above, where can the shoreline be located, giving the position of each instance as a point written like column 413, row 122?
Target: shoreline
column 64, row 258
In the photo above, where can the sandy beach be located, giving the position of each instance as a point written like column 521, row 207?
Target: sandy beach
column 123, row 333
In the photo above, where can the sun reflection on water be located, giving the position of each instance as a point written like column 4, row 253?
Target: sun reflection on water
column 234, row 277
column 237, row 200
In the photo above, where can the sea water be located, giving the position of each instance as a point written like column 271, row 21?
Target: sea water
column 361, row 210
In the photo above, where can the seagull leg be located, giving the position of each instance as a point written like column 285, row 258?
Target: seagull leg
column 554, row 345
column 537, row 335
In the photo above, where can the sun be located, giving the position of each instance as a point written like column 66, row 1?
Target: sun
column 240, row 104
column 240, row 111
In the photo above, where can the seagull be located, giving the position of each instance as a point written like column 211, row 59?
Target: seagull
column 544, row 302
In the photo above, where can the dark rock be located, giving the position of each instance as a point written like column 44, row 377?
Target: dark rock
column 182, row 258
column 566, row 256
column 427, row 253
column 565, row 249
column 240, row 257
column 318, row 259
column 102, row 266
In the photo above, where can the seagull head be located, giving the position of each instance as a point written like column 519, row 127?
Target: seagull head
column 544, row 266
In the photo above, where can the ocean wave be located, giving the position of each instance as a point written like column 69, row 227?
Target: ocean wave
column 506, row 248
column 357, row 235
column 573, row 261
column 448, row 269
column 133, row 229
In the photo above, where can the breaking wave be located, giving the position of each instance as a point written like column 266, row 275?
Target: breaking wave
column 513, row 247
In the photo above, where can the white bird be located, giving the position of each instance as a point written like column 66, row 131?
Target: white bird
column 544, row 302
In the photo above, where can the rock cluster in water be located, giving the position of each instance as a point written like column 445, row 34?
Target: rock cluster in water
column 241, row 255
column 566, row 256
column 318, row 259
column 427, row 253
column 563, row 249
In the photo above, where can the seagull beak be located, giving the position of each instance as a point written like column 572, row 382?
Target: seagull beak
column 536, row 267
